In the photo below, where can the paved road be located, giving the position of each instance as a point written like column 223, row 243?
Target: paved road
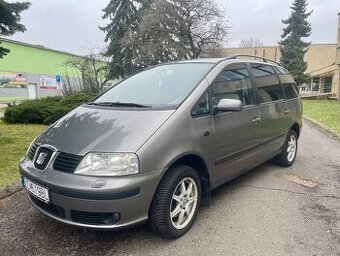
column 260, row 213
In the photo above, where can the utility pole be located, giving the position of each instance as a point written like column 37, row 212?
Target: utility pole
column 337, row 59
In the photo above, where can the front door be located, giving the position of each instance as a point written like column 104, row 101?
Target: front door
column 236, row 134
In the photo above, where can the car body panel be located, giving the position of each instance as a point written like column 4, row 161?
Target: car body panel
column 235, row 136
column 103, row 129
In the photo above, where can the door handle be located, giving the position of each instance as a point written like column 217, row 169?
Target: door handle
column 256, row 120
column 286, row 111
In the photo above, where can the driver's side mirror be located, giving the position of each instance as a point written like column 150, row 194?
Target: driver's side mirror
column 225, row 105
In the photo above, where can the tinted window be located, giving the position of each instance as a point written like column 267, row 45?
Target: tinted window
column 202, row 107
column 269, row 88
column 166, row 85
column 289, row 86
column 234, row 83
column 281, row 70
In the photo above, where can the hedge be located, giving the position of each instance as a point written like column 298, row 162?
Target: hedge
column 45, row 110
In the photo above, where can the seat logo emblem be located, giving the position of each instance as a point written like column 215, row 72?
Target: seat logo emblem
column 41, row 158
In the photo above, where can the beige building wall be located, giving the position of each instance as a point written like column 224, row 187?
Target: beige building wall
column 319, row 57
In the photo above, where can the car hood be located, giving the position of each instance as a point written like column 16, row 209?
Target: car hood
column 103, row 129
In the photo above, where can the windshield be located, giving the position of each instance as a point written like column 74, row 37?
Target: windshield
column 161, row 86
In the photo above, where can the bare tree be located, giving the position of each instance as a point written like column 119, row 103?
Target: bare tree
column 176, row 30
column 251, row 42
column 91, row 72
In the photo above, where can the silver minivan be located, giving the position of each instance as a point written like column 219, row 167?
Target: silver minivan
column 154, row 146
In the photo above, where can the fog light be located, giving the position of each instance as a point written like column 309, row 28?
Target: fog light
column 116, row 216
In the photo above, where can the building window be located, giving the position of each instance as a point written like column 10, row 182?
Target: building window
column 327, row 87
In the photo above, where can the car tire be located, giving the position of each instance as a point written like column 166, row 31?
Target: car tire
column 287, row 157
column 175, row 203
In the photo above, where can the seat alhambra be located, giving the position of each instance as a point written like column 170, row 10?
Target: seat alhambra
column 154, row 146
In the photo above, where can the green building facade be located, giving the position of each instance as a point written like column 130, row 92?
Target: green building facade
column 34, row 59
column 30, row 65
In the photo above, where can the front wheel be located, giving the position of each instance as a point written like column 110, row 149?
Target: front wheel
column 287, row 156
column 176, row 201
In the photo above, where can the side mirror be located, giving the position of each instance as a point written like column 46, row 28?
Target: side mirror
column 225, row 105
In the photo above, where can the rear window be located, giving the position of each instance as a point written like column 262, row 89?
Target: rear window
column 269, row 88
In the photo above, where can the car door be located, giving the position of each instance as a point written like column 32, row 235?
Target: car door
column 236, row 134
column 274, row 118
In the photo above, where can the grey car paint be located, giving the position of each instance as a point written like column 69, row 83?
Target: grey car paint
column 227, row 143
column 101, row 129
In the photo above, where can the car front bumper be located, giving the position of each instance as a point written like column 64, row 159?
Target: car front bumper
column 119, row 203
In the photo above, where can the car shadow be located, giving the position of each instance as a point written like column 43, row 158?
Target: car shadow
column 87, row 242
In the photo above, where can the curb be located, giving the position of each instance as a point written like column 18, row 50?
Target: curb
column 10, row 190
column 322, row 127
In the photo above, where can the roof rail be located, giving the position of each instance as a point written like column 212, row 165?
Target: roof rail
column 255, row 57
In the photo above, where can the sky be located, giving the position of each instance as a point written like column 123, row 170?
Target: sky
column 72, row 25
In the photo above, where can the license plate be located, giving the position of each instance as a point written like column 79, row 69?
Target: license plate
column 36, row 190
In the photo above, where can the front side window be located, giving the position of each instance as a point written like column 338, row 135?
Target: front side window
column 269, row 87
column 234, row 83
column 161, row 86
column 202, row 107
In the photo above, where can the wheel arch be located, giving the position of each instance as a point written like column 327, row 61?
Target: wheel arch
column 295, row 127
column 198, row 163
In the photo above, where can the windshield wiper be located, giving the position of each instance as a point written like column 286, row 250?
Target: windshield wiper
column 118, row 104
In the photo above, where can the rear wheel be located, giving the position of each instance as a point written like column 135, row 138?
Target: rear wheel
column 287, row 156
column 176, row 201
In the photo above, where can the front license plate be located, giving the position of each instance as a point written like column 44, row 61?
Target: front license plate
column 36, row 190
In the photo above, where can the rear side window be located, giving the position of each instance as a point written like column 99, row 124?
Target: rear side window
column 234, row 83
column 281, row 70
column 289, row 86
column 269, row 87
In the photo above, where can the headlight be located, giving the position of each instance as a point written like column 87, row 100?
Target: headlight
column 108, row 164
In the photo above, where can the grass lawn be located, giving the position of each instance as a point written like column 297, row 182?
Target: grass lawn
column 326, row 112
column 14, row 140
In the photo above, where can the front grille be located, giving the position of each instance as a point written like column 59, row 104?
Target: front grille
column 32, row 150
column 93, row 218
column 50, row 208
column 43, row 157
column 66, row 162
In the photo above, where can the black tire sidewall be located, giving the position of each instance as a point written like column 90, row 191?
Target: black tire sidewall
column 175, row 176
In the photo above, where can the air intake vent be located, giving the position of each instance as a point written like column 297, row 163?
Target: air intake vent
column 32, row 150
column 50, row 208
column 92, row 218
column 66, row 162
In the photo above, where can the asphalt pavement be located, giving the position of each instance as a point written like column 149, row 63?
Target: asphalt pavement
column 269, row 211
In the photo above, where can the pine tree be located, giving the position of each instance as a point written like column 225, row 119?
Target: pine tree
column 124, row 16
column 292, row 47
column 10, row 20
